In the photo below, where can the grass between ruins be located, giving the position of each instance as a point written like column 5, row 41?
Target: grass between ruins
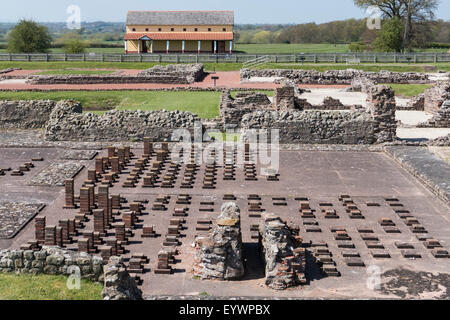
column 53, row 66
column 409, row 90
column 45, row 287
column 205, row 103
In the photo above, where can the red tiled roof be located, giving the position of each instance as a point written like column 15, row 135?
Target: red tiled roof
column 181, row 35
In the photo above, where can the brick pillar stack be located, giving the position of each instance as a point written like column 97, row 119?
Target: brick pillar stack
column 121, row 156
column 58, row 236
column 92, row 176
column 64, row 224
column 99, row 221
column 69, row 197
column 85, row 201
column 104, row 203
column 120, row 232
column 99, row 168
column 115, row 168
column 111, row 152
column 39, row 225
column 50, row 235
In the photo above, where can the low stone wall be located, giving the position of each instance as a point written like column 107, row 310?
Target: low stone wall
column 233, row 109
column 441, row 119
column 335, row 76
column 30, row 114
column 435, row 97
column 321, row 127
column 51, row 260
column 192, row 72
column 171, row 74
column 67, row 123
column 377, row 124
column 4, row 71
column 417, row 103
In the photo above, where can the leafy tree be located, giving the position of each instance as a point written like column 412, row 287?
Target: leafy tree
column 74, row 46
column 357, row 47
column 411, row 12
column 390, row 37
column 29, row 37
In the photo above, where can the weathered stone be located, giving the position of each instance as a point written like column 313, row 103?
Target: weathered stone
column 219, row 254
column 284, row 265
column 118, row 285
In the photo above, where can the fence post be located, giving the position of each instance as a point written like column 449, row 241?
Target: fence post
column 415, row 58
column 28, row 57
column 435, row 57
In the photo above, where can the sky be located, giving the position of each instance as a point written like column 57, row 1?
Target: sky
column 246, row 11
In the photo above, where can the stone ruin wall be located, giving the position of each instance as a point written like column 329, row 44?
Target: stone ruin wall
column 377, row 124
column 170, row 74
column 31, row 114
column 67, row 123
column 334, row 76
column 118, row 285
column 219, row 255
column 284, row 259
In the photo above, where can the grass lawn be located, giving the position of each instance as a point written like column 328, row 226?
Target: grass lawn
column 204, row 104
column 409, row 90
column 227, row 137
column 366, row 67
column 60, row 65
column 76, row 72
column 291, row 48
column 49, row 66
column 45, row 287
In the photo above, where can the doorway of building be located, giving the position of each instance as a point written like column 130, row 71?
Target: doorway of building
column 221, row 47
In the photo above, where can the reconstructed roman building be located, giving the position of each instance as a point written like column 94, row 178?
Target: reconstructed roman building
column 179, row 32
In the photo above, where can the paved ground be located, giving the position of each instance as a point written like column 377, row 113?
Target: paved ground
column 320, row 176
column 230, row 79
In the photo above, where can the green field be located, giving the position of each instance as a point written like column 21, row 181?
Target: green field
column 74, row 72
column 291, row 48
column 409, row 90
column 209, row 67
column 45, row 287
column 205, row 103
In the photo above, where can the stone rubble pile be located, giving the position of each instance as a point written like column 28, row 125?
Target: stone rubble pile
column 118, row 284
column 334, row 76
column 441, row 119
column 436, row 96
column 285, row 260
column 219, row 254
column 440, row 142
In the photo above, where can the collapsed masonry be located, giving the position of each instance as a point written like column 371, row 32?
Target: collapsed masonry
column 219, row 254
column 284, row 259
column 118, row 285
column 170, row 74
column 334, row 76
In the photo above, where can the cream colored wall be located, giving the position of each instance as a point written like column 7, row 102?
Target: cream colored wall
column 132, row 45
column 179, row 28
